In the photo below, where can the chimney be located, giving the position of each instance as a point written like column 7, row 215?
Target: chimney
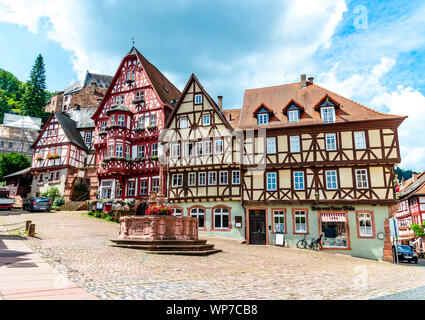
column 220, row 102
column 310, row 79
column 303, row 82
column 92, row 87
column 414, row 176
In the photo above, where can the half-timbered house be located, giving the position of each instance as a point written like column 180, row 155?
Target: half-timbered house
column 317, row 163
column 127, row 124
column 201, row 155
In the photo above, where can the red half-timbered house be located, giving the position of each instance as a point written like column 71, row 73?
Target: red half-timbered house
column 127, row 124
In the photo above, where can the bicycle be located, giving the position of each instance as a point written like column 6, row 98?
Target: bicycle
column 314, row 243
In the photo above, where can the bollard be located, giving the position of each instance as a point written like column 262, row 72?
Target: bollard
column 27, row 225
column 31, row 231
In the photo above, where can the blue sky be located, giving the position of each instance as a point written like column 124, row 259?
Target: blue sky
column 370, row 51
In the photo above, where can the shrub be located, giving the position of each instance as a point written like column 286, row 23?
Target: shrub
column 58, row 201
column 418, row 229
column 52, row 192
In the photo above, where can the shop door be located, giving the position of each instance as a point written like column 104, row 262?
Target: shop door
column 257, row 227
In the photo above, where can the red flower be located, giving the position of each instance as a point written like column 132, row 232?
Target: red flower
column 159, row 210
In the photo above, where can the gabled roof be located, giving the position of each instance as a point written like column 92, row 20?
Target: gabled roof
column 121, row 107
column 277, row 97
column 293, row 103
column 164, row 88
column 232, row 116
column 82, row 117
column 18, row 173
column 193, row 78
column 414, row 188
column 101, row 80
column 69, row 127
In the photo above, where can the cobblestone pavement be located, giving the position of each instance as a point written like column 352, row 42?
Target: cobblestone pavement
column 78, row 246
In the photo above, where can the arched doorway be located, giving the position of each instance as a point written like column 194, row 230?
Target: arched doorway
column 141, row 209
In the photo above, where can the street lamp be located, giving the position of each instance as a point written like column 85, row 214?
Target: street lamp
column 317, row 196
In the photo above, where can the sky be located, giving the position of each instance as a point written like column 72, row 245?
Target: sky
column 369, row 51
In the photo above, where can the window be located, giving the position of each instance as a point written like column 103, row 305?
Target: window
column 206, row 120
column 175, row 150
column 299, row 180
column 212, row 178
column 360, row 140
column 140, row 151
column 189, row 149
column 331, row 180
column 177, row 212
column 103, row 126
column 113, row 120
column 293, row 115
column 218, row 146
column 183, row 123
column 330, row 141
column 57, row 175
column 271, row 145
column 328, row 114
column 199, row 148
column 121, row 120
column 127, row 152
column 118, row 190
column 236, row 177
column 10, row 146
column 262, row 118
column 155, row 185
column 192, row 178
column 361, row 179
column 202, row 180
column 139, row 95
column 118, row 150
column 154, row 151
column 208, row 147
column 130, row 189
column 200, row 214
column 365, row 224
column 279, row 220
column 300, row 219
column 40, row 178
column 177, row 180
column 271, row 181
column 224, row 179
column 221, row 218
column 52, row 176
column 153, row 120
column 143, row 187
column 119, row 100
column 141, row 122
column 198, row 98
column 111, row 151
column 294, row 142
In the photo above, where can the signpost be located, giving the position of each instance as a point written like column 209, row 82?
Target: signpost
column 394, row 237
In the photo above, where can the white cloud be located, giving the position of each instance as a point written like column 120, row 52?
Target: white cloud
column 66, row 22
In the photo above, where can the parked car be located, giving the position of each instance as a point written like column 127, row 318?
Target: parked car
column 37, row 204
column 406, row 253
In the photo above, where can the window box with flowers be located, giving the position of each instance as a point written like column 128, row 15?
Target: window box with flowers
column 154, row 158
column 39, row 158
column 53, row 156
column 151, row 127
column 102, row 133
column 115, row 126
column 139, row 129
column 138, row 101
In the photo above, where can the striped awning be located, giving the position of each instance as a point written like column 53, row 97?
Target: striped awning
column 333, row 217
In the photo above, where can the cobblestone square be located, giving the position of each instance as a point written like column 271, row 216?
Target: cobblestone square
column 78, row 246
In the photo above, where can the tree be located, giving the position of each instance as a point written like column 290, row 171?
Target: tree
column 406, row 174
column 12, row 162
column 36, row 96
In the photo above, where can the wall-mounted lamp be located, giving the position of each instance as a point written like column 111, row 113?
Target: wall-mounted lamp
column 317, row 196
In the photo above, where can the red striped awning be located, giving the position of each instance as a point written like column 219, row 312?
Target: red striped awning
column 333, row 217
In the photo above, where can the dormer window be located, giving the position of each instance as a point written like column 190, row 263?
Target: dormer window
column 293, row 111
column 328, row 114
column 262, row 118
column 293, row 115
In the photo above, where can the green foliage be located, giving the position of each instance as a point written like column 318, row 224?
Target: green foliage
column 418, row 229
column 52, row 192
column 58, row 201
column 12, row 162
column 36, row 95
column 406, row 174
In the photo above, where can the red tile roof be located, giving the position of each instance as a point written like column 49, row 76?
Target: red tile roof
column 277, row 98
column 232, row 116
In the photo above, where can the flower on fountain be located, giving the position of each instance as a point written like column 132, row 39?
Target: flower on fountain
column 157, row 210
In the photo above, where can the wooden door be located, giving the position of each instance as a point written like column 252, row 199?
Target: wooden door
column 257, row 227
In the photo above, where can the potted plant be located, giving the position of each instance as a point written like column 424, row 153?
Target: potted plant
column 159, row 210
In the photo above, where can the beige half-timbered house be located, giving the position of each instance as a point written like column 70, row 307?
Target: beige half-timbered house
column 202, row 159
column 317, row 163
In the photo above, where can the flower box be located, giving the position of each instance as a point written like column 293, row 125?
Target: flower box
column 138, row 101
column 39, row 158
column 116, row 126
column 102, row 133
column 129, row 81
column 154, row 158
column 139, row 129
column 151, row 127
column 53, row 156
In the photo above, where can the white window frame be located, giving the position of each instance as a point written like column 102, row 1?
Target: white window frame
column 154, row 150
column 207, row 150
column 121, row 120
column 221, row 212
column 155, row 185
column 196, row 212
column 279, row 214
column 202, row 178
column 271, row 181
column 183, row 122
column 298, row 180
column 206, row 119
column 293, row 115
column 198, row 98
column 365, row 231
column 328, row 114
column 199, row 146
column 218, row 146
column 224, row 177
column 143, row 187
column 362, row 183
column 330, row 141
column 177, row 180
column 119, row 150
column 300, row 214
column 177, row 212
column 192, row 179
column 131, row 188
column 294, row 144
column 212, row 178
column 175, row 150
column 237, row 179
column 262, row 118
column 187, row 153
column 360, row 140
column 141, row 151
column 331, row 180
column 271, row 145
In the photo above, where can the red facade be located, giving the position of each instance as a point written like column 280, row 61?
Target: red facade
column 127, row 125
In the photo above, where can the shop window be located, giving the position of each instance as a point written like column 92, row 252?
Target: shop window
column 300, row 221
column 365, row 222
column 279, row 221
column 221, row 218
column 200, row 214
column 334, row 230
